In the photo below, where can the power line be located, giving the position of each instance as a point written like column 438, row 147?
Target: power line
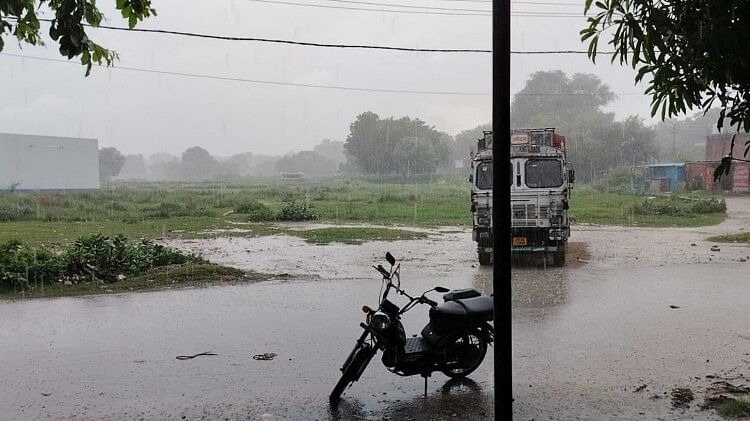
column 323, row 6
column 263, row 82
column 279, row 41
column 317, row 44
column 410, row 6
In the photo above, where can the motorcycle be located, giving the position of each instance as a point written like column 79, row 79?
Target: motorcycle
column 454, row 341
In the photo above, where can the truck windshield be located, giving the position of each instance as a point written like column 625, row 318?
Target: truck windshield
column 484, row 176
column 544, row 173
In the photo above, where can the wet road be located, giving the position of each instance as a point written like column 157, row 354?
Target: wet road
column 114, row 356
column 586, row 337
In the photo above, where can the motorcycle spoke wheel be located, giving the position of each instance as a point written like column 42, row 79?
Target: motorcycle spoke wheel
column 464, row 355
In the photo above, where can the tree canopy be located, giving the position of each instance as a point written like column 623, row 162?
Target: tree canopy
column 111, row 162
column 68, row 26
column 574, row 106
column 381, row 146
column 693, row 52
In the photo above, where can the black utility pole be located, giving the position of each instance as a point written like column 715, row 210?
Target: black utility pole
column 501, row 207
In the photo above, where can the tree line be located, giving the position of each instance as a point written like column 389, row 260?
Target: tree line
column 575, row 105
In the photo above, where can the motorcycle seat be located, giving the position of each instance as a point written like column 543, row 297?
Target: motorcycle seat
column 478, row 308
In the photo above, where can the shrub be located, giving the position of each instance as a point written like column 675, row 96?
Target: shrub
column 21, row 265
column 292, row 211
column 254, row 210
column 679, row 207
column 10, row 212
column 107, row 257
column 620, row 181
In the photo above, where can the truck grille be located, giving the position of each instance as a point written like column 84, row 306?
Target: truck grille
column 528, row 215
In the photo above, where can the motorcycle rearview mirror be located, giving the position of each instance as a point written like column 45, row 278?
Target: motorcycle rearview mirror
column 389, row 257
column 441, row 289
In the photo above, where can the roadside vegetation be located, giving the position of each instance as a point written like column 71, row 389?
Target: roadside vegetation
column 257, row 206
column 741, row 237
column 355, row 235
column 593, row 207
column 101, row 264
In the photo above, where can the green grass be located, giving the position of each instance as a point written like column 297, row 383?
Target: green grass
column 730, row 406
column 199, row 274
column 590, row 206
column 741, row 237
column 187, row 209
column 354, row 235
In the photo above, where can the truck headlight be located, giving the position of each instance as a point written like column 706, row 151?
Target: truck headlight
column 380, row 321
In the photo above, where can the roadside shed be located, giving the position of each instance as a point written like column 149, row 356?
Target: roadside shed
column 699, row 175
column 667, row 177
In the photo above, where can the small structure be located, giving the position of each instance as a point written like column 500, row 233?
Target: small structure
column 717, row 147
column 666, row 177
column 29, row 162
column 699, row 175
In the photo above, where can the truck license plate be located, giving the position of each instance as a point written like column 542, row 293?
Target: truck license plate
column 519, row 241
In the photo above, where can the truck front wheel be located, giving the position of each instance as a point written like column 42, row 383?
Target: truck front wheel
column 485, row 258
column 558, row 257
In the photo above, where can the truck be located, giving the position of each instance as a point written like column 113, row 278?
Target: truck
column 541, row 182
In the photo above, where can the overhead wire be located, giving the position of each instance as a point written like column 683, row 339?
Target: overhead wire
column 263, row 82
column 326, row 45
column 308, row 85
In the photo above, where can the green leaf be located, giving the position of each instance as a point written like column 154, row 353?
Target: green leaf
column 132, row 20
column 723, row 168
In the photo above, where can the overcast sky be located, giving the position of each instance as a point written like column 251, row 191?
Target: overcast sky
column 145, row 113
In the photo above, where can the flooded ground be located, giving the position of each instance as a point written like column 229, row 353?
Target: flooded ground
column 634, row 307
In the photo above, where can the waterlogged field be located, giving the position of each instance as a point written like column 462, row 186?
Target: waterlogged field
column 162, row 209
column 86, row 243
column 256, row 206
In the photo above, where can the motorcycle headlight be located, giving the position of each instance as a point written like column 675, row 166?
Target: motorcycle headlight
column 380, row 321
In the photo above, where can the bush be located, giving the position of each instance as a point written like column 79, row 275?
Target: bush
column 10, row 212
column 104, row 257
column 21, row 265
column 95, row 256
column 255, row 211
column 679, row 207
column 620, row 181
column 292, row 211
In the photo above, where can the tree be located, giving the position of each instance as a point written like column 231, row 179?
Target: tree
column 466, row 141
column 372, row 143
column 573, row 105
column 134, row 168
column 67, row 27
column 111, row 162
column 333, row 149
column 197, row 163
column 311, row 163
column 692, row 50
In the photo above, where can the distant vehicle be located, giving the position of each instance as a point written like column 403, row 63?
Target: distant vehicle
column 541, row 181
column 292, row 176
column 454, row 341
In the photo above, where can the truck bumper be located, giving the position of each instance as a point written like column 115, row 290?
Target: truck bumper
column 538, row 240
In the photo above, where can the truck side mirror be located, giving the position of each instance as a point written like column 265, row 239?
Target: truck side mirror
column 571, row 175
column 471, row 178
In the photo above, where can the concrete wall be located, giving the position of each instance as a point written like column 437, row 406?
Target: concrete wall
column 48, row 163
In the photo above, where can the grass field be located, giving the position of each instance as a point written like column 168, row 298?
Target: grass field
column 189, row 209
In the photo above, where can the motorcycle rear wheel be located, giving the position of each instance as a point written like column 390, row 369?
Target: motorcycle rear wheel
column 467, row 352
column 351, row 373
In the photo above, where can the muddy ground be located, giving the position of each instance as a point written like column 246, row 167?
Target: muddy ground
column 634, row 307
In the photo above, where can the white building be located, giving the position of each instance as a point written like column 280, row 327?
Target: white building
column 29, row 162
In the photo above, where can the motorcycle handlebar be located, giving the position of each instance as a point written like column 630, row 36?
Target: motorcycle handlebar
column 382, row 270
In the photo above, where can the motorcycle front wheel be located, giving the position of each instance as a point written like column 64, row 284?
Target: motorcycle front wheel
column 464, row 354
column 351, row 372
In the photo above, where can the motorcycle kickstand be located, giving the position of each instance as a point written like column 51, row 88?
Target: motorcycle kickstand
column 425, row 384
